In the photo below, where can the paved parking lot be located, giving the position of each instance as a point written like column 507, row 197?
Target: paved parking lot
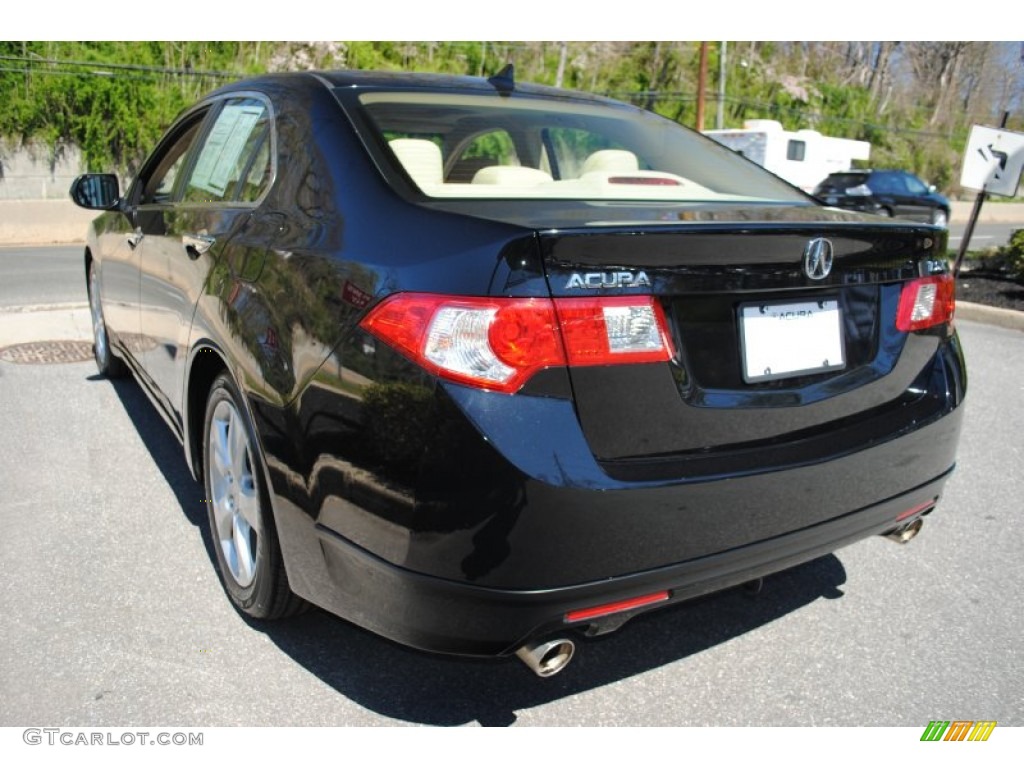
column 113, row 614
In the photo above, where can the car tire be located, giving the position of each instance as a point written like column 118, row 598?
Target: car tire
column 241, row 520
column 109, row 365
column 940, row 218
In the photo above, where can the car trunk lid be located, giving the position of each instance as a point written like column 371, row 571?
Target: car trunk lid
column 773, row 348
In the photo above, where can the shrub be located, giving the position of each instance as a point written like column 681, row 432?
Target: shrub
column 1013, row 253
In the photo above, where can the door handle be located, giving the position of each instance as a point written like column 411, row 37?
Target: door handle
column 135, row 237
column 197, row 245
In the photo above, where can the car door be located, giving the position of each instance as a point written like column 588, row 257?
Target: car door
column 886, row 192
column 155, row 209
column 916, row 202
column 898, row 197
column 224, row 174
column 149, row 195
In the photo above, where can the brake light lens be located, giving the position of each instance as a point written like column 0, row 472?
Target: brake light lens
column 926, row 302
column 499, row 343
column 644, row 181
column 614, row 329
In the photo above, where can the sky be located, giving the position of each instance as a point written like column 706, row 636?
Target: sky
column 520, row 20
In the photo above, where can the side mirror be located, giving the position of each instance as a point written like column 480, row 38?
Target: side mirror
column 96, row 191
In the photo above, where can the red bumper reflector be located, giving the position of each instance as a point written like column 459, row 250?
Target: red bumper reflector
column 617, row 607
column 914, row 510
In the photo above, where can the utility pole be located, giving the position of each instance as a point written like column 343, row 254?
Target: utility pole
column 720, row 116
column 702, row 81
column 563, row 56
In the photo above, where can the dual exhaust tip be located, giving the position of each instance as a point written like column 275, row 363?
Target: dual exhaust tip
column 549, row 657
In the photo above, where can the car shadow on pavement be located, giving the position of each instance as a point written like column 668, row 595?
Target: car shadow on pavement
column 409, row 685
column 166, row 451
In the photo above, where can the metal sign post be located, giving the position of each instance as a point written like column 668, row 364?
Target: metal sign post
column 993, row 162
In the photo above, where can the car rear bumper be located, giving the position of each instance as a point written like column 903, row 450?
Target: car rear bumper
column 453, row 617
column 509, row 523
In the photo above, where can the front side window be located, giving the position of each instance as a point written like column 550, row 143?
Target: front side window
column 233, row 163
column 914, row 185
column 159, row 184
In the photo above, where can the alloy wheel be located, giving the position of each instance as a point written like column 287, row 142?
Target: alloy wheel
column 234, row 495
column 99, row 328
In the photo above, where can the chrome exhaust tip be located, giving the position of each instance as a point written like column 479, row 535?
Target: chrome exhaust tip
column 906, row 533
column 547, row 658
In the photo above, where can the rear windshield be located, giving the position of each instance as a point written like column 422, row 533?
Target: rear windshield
column 843, row 180
column 456, row 145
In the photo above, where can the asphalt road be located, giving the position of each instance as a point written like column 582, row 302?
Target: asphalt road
column 985, row 235
column 113, row 615
column 41, row 275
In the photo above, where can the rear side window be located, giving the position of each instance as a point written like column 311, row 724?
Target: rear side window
column 569, row 148
column 234, row 162
column 486, row 149
column 887, row 183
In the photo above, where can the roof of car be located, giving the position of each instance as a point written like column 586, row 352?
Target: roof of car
column 404, row 80
column 867, row 171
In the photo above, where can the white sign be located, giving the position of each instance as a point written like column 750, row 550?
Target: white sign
column 218, row 163
column 993, row 160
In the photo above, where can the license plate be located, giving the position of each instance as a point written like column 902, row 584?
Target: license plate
column 780, row 341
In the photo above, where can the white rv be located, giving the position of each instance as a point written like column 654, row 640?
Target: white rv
column 803, row 158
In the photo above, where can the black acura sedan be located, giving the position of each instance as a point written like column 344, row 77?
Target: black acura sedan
column 480, row 365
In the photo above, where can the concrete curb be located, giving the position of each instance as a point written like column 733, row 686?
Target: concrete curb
column 52, row 322
column 980, row 313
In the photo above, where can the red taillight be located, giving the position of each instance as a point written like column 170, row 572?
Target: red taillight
column 925, row 302
column 499, row 343
column 614, row 329
column 618, row 607
column 490, row 343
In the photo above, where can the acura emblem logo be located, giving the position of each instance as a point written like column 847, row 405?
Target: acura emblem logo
column 818, row 258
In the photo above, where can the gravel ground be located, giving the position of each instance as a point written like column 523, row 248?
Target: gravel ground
column 992, row 289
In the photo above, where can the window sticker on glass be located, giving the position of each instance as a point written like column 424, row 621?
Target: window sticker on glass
column 218, row 162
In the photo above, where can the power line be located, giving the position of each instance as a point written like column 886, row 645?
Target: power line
column 97, row 65
column 151, row 77
column 149, row 72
